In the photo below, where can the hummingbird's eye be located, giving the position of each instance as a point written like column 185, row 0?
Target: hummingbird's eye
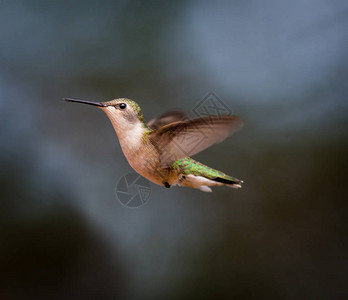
column 122, row 105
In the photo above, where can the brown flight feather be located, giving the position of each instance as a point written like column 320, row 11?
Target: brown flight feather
column 181, row 139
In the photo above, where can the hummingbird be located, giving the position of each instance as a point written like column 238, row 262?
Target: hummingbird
column 160, row 150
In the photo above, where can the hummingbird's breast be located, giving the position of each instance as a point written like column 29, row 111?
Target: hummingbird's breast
column 141, row 154
column 144, row 159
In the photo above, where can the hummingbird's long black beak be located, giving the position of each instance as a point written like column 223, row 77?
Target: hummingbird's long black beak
column 86, row 102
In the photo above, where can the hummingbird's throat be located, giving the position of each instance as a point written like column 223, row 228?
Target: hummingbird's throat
column 130, row 134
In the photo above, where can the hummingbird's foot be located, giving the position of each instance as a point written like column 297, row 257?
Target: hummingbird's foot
column 166, row 184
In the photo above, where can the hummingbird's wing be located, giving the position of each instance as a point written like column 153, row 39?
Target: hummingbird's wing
column 180, row 139
column 167, row 118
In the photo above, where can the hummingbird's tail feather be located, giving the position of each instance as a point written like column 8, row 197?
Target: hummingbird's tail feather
column 196, row 175
column 233, row 183
column 203, row 183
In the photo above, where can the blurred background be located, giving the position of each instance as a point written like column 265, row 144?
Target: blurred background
column 281, row 66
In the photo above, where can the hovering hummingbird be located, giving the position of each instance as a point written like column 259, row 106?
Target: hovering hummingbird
column 160, row 150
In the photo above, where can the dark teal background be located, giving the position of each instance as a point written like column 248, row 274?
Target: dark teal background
column 280, row 65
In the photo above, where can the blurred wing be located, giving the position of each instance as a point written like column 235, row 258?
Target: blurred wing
column 180, row 139
column 167, row 118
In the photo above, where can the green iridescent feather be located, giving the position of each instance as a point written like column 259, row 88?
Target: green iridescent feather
column 190, row 166
column 136, row 107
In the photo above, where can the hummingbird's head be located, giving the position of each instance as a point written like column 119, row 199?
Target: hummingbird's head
column 126, row 118
column 122, row 112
